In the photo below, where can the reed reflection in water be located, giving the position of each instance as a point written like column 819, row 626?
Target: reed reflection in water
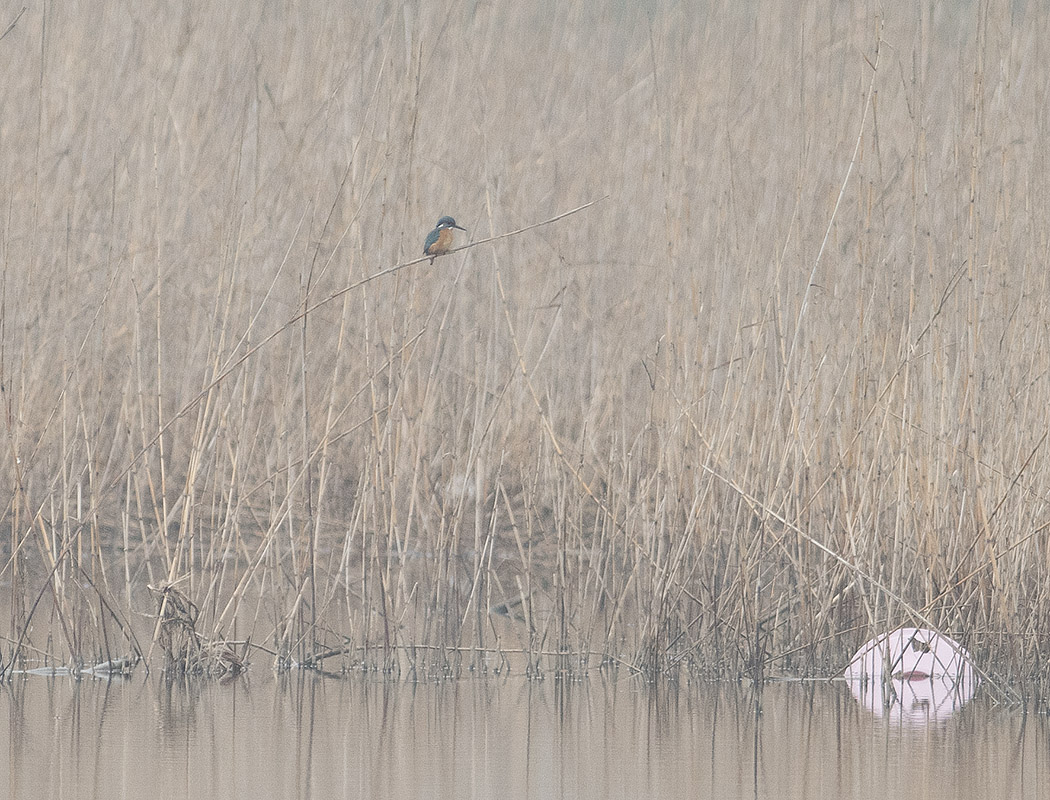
column 511, row 738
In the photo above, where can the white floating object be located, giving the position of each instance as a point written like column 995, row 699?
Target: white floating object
column 909, row 654
column 912, row 675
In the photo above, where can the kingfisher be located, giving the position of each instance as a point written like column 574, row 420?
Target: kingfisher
column 439, row 240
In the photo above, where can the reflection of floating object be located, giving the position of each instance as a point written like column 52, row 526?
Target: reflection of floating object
column 912, row 675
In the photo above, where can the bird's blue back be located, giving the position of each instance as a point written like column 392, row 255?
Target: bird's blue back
column 431, row 239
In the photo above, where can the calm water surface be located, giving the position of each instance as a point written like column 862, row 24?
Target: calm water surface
column 508, row 738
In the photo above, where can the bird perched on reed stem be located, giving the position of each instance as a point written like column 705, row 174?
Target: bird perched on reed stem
column 439, row 240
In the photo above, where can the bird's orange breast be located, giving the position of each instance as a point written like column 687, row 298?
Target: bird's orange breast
column 443, row 243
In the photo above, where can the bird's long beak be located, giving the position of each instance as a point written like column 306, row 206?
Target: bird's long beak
column 460, row 228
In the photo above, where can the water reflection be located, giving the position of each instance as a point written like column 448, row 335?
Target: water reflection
column 602, row 738
column 914, row 702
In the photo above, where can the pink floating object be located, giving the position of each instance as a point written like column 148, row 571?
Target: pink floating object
column 912, row 675
column 915, row 675
column 909, row 654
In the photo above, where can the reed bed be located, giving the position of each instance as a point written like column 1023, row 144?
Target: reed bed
column 782, row 387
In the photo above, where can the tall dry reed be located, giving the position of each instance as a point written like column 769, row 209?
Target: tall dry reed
column 786, row 386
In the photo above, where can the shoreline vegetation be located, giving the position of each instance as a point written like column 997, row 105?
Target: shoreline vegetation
column 782, row 385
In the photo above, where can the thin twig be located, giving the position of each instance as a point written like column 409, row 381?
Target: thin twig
column 14, row 22
column 838, row 201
